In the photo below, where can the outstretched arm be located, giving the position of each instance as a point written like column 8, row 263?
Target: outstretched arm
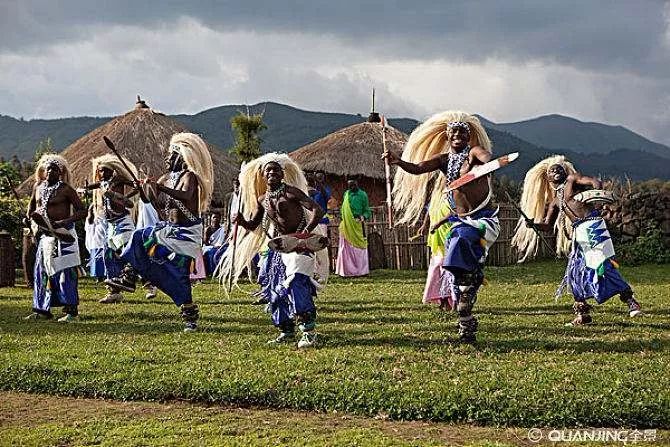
column 481, row 155
column 414, row 168
column 119, row 198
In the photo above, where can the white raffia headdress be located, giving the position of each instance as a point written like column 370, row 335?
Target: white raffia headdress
column 536, row 195
column 427, row 141
column 199, row 161
column 252, row 186
column 47, row 159
column 112, row 162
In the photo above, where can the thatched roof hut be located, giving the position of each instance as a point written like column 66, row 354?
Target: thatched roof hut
column 352, row 152
column 142, row 135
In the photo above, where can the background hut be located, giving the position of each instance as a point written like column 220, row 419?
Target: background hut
column 352, row 152
column 142, row 135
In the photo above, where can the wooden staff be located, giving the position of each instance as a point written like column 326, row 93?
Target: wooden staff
column 387, row 173
column 112, row 148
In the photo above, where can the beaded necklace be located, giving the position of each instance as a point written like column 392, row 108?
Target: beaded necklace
column 269, row 204
column 45, row 194
column 453, row 171
column 174, row 179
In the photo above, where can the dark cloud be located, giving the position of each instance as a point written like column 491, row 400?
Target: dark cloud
column 595, row 60
column 596, row 34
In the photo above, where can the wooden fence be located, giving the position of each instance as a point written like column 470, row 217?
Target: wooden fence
column 393, row 249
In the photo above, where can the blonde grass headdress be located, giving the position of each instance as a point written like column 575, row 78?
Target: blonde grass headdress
column 252, row 186
column 199, row 161
column 112, row 162
column 47, row 159
column 536, row 195
column 427, row 141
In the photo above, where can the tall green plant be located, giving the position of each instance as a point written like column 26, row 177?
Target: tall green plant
column 7, row 171
column 247, row 142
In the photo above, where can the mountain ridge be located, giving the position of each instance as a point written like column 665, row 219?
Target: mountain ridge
column 290, row 128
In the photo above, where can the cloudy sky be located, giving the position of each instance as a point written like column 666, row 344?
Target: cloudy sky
column 605, row 61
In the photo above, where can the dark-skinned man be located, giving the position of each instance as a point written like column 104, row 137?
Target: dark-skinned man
column 54, row 208
column 274, row 192
column 112, row 184
column 556, row 196
column 451, row 143
column 164, row 254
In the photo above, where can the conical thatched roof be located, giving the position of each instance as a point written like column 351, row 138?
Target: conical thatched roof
column 142, row 135
column 352, row 151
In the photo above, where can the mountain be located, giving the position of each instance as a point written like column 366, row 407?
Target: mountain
column 290, row 128
column 19, row 137
column 559, row 132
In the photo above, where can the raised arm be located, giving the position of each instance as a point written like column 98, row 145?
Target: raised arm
column 583, row 180
column 188, row 191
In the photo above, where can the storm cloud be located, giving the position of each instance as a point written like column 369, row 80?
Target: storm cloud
column 604, row 61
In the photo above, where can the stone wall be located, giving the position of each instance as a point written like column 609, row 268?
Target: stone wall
column 629, row 216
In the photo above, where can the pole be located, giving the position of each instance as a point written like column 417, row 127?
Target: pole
column 387, row 173
column 232, row 256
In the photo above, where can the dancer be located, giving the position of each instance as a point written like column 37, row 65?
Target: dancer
column 352, row 251
column 54, row 208
column 554, row 184
column 96, row 236
column 274, row 191
column 453, row 143
column 164, row 254
column 112, row 198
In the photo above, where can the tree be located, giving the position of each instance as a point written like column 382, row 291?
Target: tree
column 43, row 147
column 7, row 171
column 247, row 142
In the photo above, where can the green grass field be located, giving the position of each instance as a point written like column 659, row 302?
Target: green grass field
column 382, row 353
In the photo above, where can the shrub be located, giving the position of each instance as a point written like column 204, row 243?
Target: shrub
column 649, row 247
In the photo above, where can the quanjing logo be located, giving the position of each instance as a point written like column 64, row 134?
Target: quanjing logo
column 592, row 435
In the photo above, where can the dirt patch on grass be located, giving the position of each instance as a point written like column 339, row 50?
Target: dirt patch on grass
column 23, row 410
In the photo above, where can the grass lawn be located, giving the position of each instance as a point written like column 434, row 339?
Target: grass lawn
column 382, row 354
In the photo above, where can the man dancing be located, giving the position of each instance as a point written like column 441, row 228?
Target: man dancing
column 112, row 183
column 453, row 143
column 274, row 191
column 164, row 254
column 54, row 208
column 591, row 272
